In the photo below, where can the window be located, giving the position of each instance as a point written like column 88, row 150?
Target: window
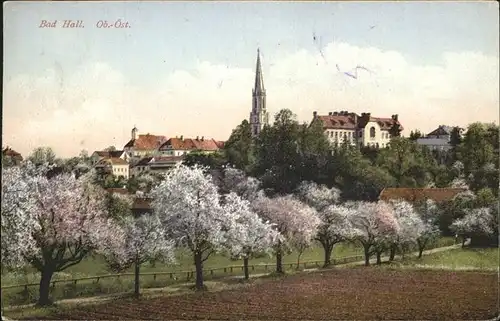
column 372, row 132
column 336, row 135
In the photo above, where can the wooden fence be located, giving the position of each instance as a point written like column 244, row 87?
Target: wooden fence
column 189, row 275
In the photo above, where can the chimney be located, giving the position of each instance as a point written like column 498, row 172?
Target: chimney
column 335, row 113
column 315, row 114
column 182, row 137
column 202, row 138
column 197, row 137
column 395, row 117
column 330, row 113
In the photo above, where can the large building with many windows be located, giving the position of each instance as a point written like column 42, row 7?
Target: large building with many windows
column 359, row 130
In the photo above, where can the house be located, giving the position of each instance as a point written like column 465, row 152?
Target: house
column 155, row 164
column 182, row 146
column 357, row 130
column 99, row 155
column 143, row 145
column 438, row 139
column 413, row 195
column 113, row 165
column 12, row 155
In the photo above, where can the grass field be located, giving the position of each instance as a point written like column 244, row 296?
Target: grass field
column 362, row 293
column 95, row 266
column 485, row 259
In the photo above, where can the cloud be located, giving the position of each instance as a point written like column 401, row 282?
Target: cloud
column 97, row 105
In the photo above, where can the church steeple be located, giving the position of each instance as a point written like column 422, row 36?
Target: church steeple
column 259, row 80
column 259, row 116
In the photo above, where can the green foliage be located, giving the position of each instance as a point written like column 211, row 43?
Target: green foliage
column 42, row 155
column 211, row 160
column 238, row 149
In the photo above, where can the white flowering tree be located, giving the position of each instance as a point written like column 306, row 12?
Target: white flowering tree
column 296, row 222
column 477, row 222
column 189, row 206
column 69, row 221
column 373, row 225
column 428, row 212
column 235, row 180
column 251, row 235
column 410, row 229
column 144, row 240
column 334, row 227
column 18, row 219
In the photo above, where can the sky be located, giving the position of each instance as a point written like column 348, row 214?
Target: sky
column 187, row 68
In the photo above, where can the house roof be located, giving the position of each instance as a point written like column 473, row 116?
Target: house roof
column 112, row 161
column 338, row 122
column 442, row 130
column 191, row 144
column 7, row 151
column 420, row 194
column 353, row 121
column 144, row 161
column 108, row 154
column 146, row 142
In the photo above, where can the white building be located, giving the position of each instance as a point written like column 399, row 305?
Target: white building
column 438, row 139
column 357, row 130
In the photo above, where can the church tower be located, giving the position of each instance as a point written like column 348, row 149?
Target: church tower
column 259, row 116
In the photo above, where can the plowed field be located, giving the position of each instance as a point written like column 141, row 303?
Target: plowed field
column 360, row 293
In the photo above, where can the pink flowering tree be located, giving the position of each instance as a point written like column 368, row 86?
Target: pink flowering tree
column 69, row 221
column 250, row 235
column 296, row 222
column 144, row 240
column 334, row 227
column 190, row 207
column 374, row 225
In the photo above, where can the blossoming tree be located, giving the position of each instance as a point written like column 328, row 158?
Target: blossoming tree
column 18, row 219
column 235, row 180
column 69, row 221
column 189, row 206
column 144, row 240
column 428, row 212
column 334, row 227
column 410, row 229
column 373, row 225
column 296, row 222
column 478, row 222
column 251, row 234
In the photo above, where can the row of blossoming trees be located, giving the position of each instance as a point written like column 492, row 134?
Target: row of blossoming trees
column 52, row 220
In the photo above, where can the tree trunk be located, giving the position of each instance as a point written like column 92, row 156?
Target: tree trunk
column 420, row 252
column 328, row 254
column 136, row 283
column 279, row 259
column 392, row 252
column 367, row 255
column 463, row 241
column 198, row 262
column 379, row 258
column 44, row 300
column 245, row 267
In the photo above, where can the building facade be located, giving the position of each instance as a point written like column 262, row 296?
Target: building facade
column 259, row 115
column 438, row 139
column 143, row 145
column 115, row 166
column 357, row 130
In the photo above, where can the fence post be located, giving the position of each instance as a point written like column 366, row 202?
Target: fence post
column 154, row 277
column 171, row 276
column 225, row 270
column 231, row 269
column 211, row 272
column 253, row 267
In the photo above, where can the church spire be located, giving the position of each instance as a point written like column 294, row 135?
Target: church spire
column 259, row 80
column 258, row 116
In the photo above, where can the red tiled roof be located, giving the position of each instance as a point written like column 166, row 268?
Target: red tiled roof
column 420, row 194
column 10, row 152
column 385, row 123
column 146, row 142
column 338, row 122
column 190, row 144
column 220, row 143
